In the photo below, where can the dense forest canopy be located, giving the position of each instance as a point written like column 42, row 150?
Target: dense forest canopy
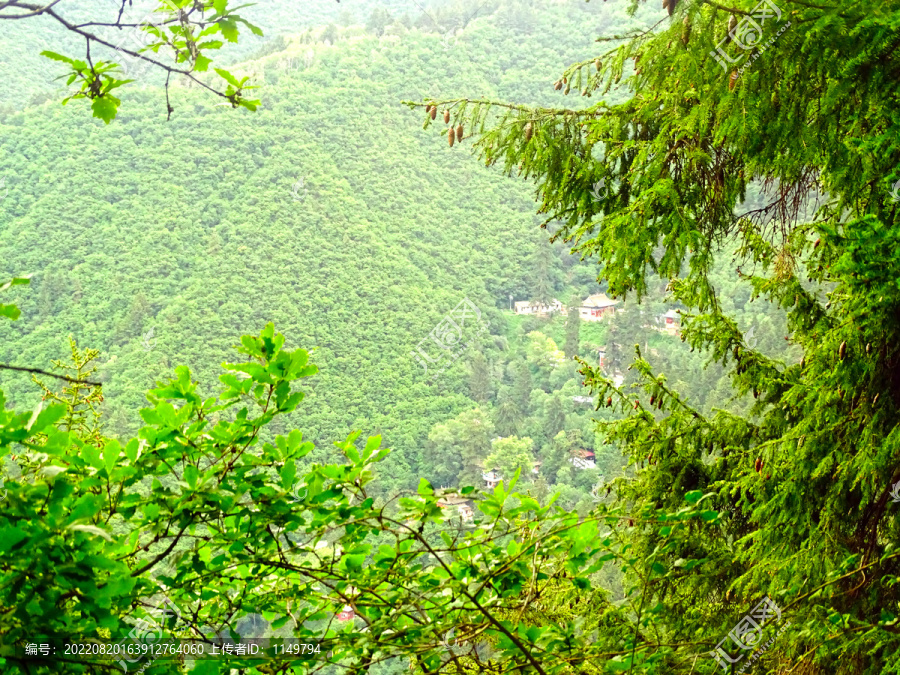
column 325, row 377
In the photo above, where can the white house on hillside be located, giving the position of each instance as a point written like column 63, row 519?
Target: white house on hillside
column 595, row 307
column 583, row 459
column 491, row 479
column 529, row 307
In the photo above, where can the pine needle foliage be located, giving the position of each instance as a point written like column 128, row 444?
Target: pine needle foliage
column 802, row 485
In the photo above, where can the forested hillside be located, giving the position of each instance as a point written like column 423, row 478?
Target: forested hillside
column 497, row 337
column 327, row 212
column 330, row 213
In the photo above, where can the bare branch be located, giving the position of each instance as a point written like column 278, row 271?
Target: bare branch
column 38, row 371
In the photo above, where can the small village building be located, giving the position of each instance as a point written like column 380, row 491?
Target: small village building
column 584, row 459
column 530, row 307
column 347, row 614
column 491, row 478
column 596, row 307
column 671, row 321
column 462, row 506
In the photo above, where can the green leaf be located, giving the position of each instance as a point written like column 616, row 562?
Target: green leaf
column 10, row 311
column 201, row 63
column 111, row 454
column 106, row 107
column 425, row 488
column 693, row 496
column 228, row 77
column 91, row 454
column 9, row 537
column 191, row 475
column 57, row 57
column 41, row 419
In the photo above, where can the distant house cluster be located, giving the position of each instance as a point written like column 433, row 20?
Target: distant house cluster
column 582, row 459
column 592, row 308
column 528, row 307
column 596, row 307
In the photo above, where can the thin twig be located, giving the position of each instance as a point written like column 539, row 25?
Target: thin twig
column 38, row 371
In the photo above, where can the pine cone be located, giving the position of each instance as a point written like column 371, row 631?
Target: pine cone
column 451, row 137
column 842, row 350
column 732, row 24
column 732, row 80
column 459, row 132
column 433, row 112
column 528, row 131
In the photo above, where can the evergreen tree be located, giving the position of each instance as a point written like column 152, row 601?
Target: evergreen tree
column 542, row 284
column 573, row 328
column 692, row 116
column 479, row 378
column 507, row 418
column 555, row 419
column 522, row 388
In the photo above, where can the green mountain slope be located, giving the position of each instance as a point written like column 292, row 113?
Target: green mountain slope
column 194, row 229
